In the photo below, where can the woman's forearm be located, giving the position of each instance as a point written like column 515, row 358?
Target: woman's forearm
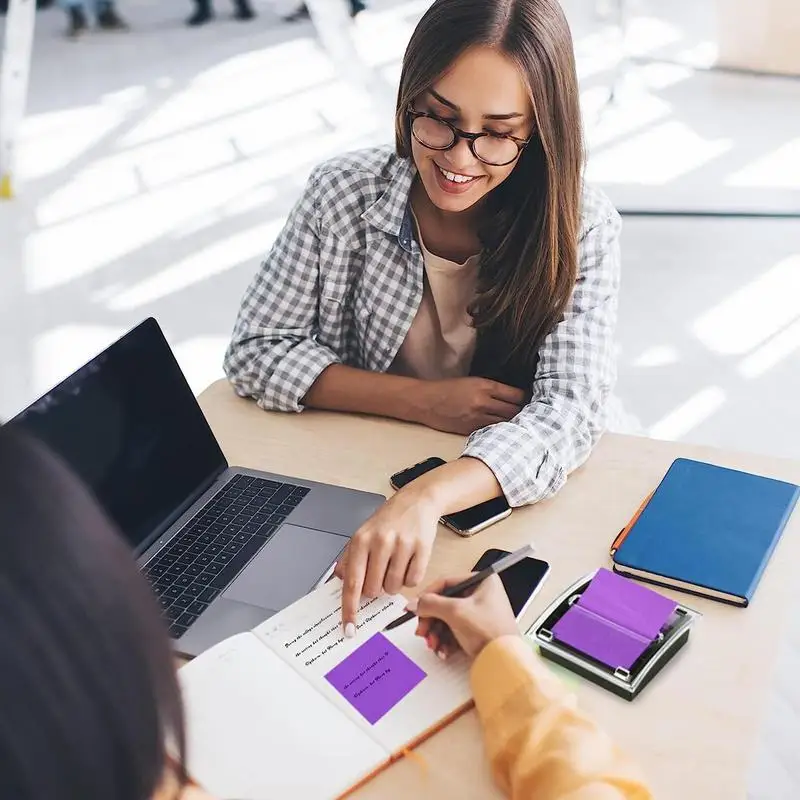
column 343, row 388
column 456, row 485
column 538, row 741
column 449, row 488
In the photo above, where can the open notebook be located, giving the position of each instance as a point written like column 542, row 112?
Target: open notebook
column 293, row 709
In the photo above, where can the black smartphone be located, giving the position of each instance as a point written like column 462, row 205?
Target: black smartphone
column 521, row 582
column 466, row 522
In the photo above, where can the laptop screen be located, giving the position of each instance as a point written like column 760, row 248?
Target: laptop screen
column 128, row 424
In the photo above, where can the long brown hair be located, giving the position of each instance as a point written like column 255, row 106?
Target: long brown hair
column 89, row 696
column 530, row 231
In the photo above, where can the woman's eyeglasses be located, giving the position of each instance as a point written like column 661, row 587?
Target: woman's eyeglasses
column 494, row 149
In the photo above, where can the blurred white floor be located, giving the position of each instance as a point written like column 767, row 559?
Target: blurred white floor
column 157, row 166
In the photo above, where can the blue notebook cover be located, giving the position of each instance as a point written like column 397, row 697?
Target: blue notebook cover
column 708, row 530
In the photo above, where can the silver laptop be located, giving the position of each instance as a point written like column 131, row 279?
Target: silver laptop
column 223, row 547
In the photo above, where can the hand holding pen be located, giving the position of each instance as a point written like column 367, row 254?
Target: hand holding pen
column 465, row 613
column 468, row 623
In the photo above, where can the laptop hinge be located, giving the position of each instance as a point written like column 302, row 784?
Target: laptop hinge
column 180, row 511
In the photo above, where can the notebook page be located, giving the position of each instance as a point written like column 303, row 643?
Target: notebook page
column 389, row 683
column 257, row 730
column 445, row 690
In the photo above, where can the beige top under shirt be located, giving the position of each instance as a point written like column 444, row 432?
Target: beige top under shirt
column 441, row 340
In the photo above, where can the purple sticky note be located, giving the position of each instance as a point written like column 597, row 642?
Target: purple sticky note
column 628, row 604
column 375, row 677
column 614, row 620
column 599, row 638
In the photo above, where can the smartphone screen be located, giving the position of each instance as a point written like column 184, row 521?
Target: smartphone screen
column 405, row 476
column 470, row 519
column 521, row 581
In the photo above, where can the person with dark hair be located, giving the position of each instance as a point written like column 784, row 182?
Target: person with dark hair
column 88, row 691
column 204, row 12
column 89, row 697
column 466, row 279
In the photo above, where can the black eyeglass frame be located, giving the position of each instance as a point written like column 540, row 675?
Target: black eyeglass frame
column 469, row 138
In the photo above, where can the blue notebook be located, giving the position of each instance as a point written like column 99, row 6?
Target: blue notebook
column 707, row 530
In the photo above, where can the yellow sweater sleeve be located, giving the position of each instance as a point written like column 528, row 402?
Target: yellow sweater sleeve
column 540, row 745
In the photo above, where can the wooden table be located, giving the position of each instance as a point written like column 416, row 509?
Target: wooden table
column 694, row 729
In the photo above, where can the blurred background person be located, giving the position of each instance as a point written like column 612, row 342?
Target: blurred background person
column 356, row 7
column 204, row 11
column 104, row 12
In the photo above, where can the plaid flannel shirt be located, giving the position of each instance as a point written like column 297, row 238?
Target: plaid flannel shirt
column 343, row 282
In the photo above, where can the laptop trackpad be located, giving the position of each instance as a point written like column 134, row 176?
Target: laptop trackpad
column 290, row 564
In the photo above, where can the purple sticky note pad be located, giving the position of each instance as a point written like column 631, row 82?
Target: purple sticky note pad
column 628, row 604
column 614, row 620
column 375, row 677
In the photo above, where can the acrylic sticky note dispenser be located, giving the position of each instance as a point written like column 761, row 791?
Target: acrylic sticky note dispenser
column 612, row 631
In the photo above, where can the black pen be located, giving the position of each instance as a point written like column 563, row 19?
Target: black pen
column 478, row 577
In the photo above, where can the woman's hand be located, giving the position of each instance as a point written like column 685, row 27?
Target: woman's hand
column 468, row 623
column 389, row 551
column 464, row 405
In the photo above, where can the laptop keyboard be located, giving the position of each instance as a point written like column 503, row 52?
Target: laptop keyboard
column 213, row 547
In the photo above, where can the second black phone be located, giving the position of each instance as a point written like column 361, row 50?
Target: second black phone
column 466, row 522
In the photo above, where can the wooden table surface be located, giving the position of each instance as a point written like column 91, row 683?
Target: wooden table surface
column 693, row 730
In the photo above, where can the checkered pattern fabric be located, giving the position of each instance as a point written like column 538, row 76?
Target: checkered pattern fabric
column 343, row 282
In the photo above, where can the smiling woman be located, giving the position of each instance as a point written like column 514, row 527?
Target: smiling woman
column 466, row 280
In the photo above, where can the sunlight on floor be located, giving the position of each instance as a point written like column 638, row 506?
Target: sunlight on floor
column 597, row 52
column 211, row 144
column 99, row 184
column 605, row 48
column 607, row 123
column 97, row 239
column 703, row 55
column 748, row 317
column 781, row 347
column 687, row 416
column 383, row 36
column 249, row 81
column 245, row 247
column 181, row 156
column 201, row 360
column 63, row 349
column 53, row 141
column 658, row 356
column 778, row 169
column 655, row 157
column 646, row 34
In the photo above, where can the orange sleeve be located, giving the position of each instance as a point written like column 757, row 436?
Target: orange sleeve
column 539, row 744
